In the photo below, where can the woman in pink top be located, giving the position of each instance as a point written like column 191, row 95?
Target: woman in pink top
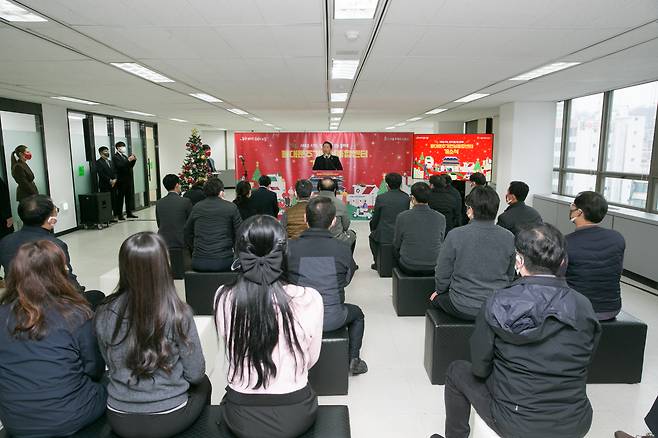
column 273, row 333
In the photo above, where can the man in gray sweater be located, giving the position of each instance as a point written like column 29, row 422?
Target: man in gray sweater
column 475, row 259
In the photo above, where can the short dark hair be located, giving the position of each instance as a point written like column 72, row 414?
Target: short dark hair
column 213, row 187
column 519, row 189
column 206, row 147
column 448, row 179
column 303, row 188
column 438, row 181
column 393, row 180
column 169, row 181
column 320, row 212
column 119, row 144
column 484, row 201
column 593, row 205
column 327, row 184
column 478, row 178
column 264, row 181
column 103, row 148
column 329, row 143
column 35, row 210
column 543, row 248
column 421, row 191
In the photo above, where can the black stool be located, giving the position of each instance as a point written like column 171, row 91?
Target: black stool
column 329, row 375
column 384, row 260
column 200, row 289
column 411, row 295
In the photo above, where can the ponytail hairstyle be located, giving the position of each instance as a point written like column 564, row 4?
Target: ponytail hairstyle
column 256, row 301
column 20, row 149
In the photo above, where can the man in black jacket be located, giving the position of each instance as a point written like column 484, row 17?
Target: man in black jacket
column 319, row 261
column 532, row 345
column 125, row 183
column 195, row 193
column 387, row 207
column 459, row 201
column 211, row 229
column 518, row 215
column 171, row 213
column 263, row 200
column 444, row 201
column 107, row 177
column 326, row 161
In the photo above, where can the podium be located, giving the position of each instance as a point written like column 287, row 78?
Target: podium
column 318, row 175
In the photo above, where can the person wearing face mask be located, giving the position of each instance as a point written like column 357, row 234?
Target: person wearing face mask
column 326, row 161
column 595, row 255
column 22, row 173
column 107, row 176
column 124, row 184
column 518, row 215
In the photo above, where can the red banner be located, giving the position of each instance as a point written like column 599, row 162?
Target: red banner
column 288, row 156
column 457, row 154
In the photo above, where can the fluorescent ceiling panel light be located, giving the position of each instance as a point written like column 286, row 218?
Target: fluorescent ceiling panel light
column 545, row 70
column 390, row 127
column 338, row 97
column 414, row 119
column 337, row 110
column 471, row 97
column 11, row 12
column 178, row 120
column 73, row 99
column 256, row 119
column 139, row 113
column 206, row 97
column 333, row 119
column 237, row 111
column 333, row 128
column 269, row 124
column 400, row 124
column 354, row 9
column 76, row 117
column 141, row 71
column 344, row 68
column 436, row 111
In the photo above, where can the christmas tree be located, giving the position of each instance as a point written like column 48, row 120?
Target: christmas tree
column 256, row 174
column 195, row 166
column 383, row 187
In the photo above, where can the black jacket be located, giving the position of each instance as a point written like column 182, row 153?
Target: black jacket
column 445, row 202
column 106, row 172
column 246, row 207
column 9, row 247
column 195, row 194
column 211, row 228
column 264, row 201
column 387, row 207
column 459, row 201
column 518, row 216
column 50, row 386
column 5, row 209
column 533, row 342
column 171, row 213
column 319, row 261
column 24, row 178
column 124, row 169
column 331, row 163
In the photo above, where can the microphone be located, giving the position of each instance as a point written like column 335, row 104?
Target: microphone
column 241, row 158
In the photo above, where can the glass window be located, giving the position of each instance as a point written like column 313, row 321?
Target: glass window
column 631, row 192
column 101, row 136
column 556, row 181
column 631, row 127
column 557, row 145
column 584, row 132
column 575, row 183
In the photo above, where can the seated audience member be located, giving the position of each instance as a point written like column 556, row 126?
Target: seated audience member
column 293, row 219
column 442, row 200
column 273, row 333
column 459, row 201
column 530, row 350
column 263, row 199
column 651, row 420
column 387, row 207
column 171, row 213
column 327, row 188
column 243, row 199
column 319, row 261
column 211, row 228
column 475, row 259
column 518, row 215
column 195, row 193
column 418, row 234
column 478, row 179
column 157, row 385
column 39, row 216
column 50, row 365
column 595, row 255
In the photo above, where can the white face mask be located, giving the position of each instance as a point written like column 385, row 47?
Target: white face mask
column 122, row 150
column 52, row 220
column 519, row 264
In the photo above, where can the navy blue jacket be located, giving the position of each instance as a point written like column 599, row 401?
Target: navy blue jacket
column 263, row 201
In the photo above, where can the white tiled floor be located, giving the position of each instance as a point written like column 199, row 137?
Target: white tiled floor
column 395, row 399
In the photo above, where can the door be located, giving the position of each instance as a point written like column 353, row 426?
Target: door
column 152, row 181
column 139, row 171
column 81, row 165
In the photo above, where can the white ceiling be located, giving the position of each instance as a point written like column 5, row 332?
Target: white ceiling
column 269, row 57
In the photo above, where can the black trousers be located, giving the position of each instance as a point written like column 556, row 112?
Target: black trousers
column 124, row 191
column 374, row 247
column 463, row 390
column 443, row 302
column 163, row 425
column 212, row 265
column 411, row 270
column 356, row 324
column 269, row 415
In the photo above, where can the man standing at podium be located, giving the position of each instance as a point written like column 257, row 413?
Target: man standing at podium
column 326, row 161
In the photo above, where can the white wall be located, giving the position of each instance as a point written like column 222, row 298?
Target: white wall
column 449, row 127
column 172, row 138
column 215, row 139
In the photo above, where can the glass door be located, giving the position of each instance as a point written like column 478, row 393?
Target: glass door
column 151, row 165
column 139, row 171
column 82, row 176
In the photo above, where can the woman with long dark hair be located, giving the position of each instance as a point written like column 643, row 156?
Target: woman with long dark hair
column 49, row 360
column 243, row 199
column 273, row 333
column 157, row 383
column 22, row 173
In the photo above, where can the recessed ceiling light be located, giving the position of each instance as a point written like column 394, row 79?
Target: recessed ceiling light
column 269, row 124
column 354, row 9
column 414, row 119
column 333, row 128
column 541, row 71
column 73, row 99
column 337, row 110
column 139, row 113
column 206, row 97
column 400, row 124
column 335, row 118
column 237, row 111
column 436, row 111
column 178, row 120
column 471, row 97
column 338, row 97
column 256, row 119
column 344, row 68
column 390, row 127
column 11, row 12
column 141, row 71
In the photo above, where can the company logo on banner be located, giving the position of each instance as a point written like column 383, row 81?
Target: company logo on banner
column 460, row 155
column 366, row 157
